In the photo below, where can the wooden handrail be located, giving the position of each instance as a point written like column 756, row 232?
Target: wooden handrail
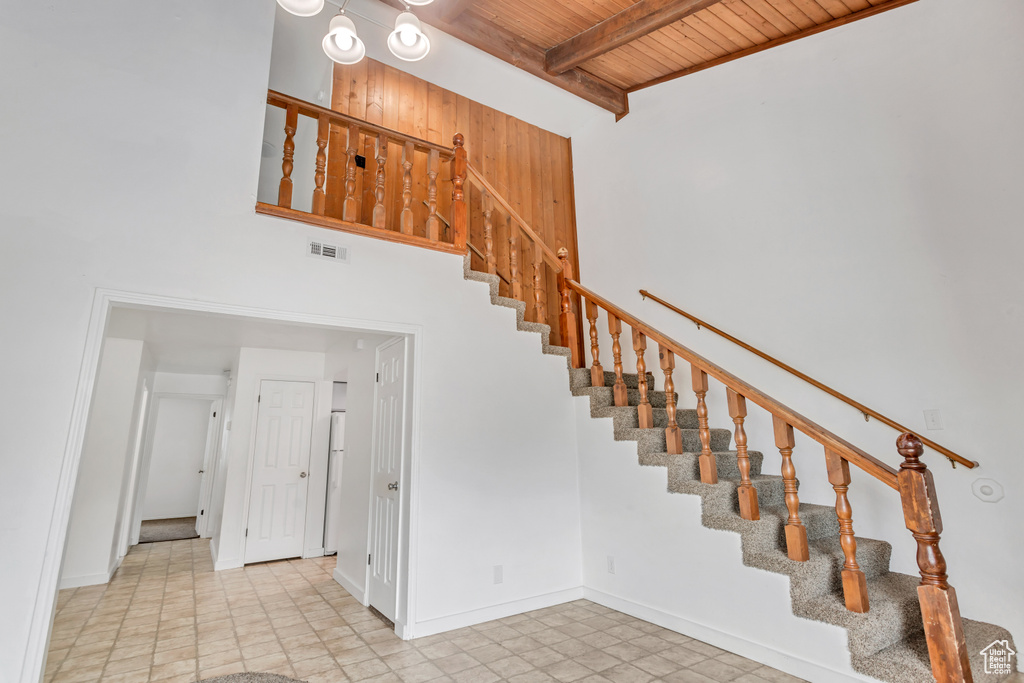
column 876, row 468
column 549, row 255
column 953, row 457
column 281, row 100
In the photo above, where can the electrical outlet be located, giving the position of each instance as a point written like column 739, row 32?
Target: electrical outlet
column 499, row 574
column 932, row 419
column 611, row 564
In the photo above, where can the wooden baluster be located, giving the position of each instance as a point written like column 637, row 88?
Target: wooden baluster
column 291, row 124
column 433, row 222
column 645, row 415
column 513, row 262
column 855, row 587
column 492, row 265
column 460, row 218
column 944, row 631
column 596, row 371
column 747, row 493
column 380, row 212
column 796, row 532
column 673, row 435
column 407, row 155
column 539, row 295
column 567, row 321
column 350, row 207
column 323, row 132
column 619, row 391
column 708, row 463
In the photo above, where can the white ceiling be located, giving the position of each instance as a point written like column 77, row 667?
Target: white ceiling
column 208, row 343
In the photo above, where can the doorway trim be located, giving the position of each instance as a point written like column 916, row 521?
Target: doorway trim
column 103, row 301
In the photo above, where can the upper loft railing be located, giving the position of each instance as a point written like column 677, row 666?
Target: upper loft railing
column 943, row 626
column 953, row 458
column 404, row 202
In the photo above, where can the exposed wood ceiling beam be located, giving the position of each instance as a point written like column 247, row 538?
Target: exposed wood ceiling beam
column 849, row 18
column 523, row 54
column 453, row 8
column 631, row 23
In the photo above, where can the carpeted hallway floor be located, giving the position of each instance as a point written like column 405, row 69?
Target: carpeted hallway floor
column 167, row 616
column 177, row 529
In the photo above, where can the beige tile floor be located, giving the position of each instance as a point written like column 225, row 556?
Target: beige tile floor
column 167, row 616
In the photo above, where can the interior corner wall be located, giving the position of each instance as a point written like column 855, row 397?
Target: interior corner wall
column 353, row 525
column 850, row 204
column 91, row 552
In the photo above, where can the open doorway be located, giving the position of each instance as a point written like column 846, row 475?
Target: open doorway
column 191, row 382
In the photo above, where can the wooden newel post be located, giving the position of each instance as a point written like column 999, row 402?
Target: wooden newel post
column 567, row 319
column 943, row 628
column 459, row 215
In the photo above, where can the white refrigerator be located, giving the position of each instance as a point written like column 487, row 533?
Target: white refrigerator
column 332, row 519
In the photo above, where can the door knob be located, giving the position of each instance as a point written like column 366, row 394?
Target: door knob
column 393, row 486
column 303, row 475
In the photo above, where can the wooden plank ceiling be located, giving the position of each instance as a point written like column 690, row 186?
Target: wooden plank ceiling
column 602, row 50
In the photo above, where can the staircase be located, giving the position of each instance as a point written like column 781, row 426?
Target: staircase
column 888, row 641
column 835, row 577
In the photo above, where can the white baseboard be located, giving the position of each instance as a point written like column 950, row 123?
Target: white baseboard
column 315, row 552
column 429, row 627
column 788, row 663
column 348, row 584
column 90, row 579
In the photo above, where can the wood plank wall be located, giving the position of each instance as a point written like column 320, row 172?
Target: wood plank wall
column 530, row 166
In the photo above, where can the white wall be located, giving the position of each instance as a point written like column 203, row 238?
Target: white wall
column 179, row 444
column 188, row 383
column 91, row 553
column 850, row 204
column 353, row 524
column 157, row 179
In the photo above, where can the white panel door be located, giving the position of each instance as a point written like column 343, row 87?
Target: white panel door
column 385, row 498
column 277, row 496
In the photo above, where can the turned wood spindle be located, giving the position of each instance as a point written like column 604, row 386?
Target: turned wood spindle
column 516, row 286
column 596, row 371
column 291, row 124
column 944, row 631
column 539, row 295
column 350, row 207
column 855, row 586
column 567, row 320
column 619, row 391
column 492, row 265
column 407, row 187
column 645, row 414
column 433, row 222
column 745, row 491
column 708, row 463
column 673, row 435
column 460, row 219
column 380, row 212
column 323, row 132
column 796, row 532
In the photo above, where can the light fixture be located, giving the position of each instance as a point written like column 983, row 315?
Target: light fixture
column 341, row 42
column 418, row 3
column 302, row 8
column 407, row 41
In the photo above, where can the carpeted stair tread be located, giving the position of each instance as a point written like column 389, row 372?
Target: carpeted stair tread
column 888, row 641
column 907, row 661
column 894, row 613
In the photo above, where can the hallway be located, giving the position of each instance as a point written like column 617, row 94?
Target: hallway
column 167, row 616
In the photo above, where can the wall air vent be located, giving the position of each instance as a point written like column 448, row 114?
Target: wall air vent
column 331, row 252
